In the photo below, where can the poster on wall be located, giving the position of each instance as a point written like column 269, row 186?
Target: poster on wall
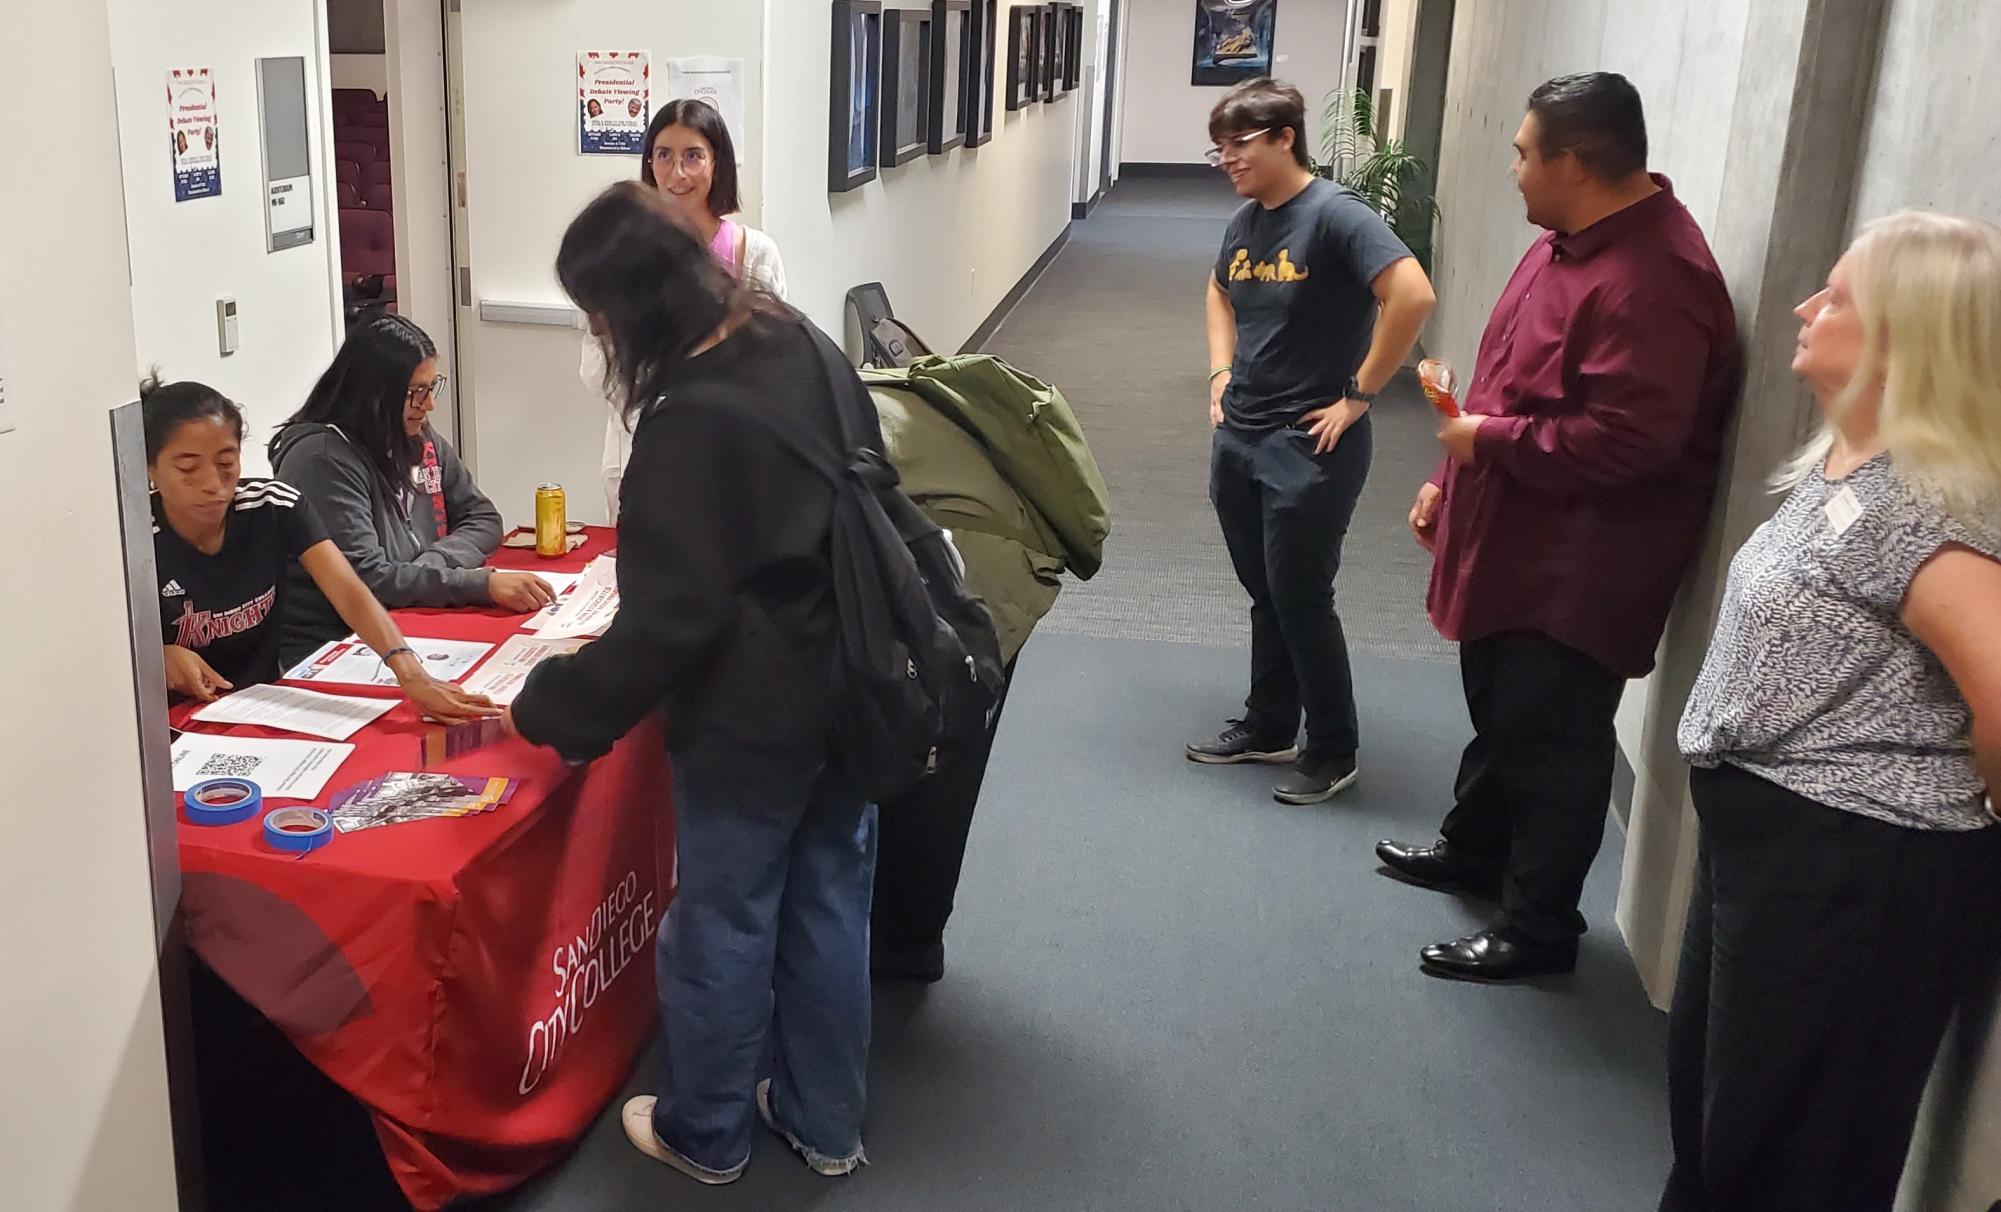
column 1233, row 40
column 193, row 142
column 717, row 81
column 614, row 102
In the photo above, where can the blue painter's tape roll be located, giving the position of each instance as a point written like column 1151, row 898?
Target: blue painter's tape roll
column 224, row 801
column 298, row 829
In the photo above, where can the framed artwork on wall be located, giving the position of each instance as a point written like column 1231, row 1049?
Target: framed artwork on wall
column 1075, row 65
column 954, row 73
column 1024, row 60
column 981, row 27
column 1233, row 40
column 906, row 86
column 1047, row 41
column 855, row 102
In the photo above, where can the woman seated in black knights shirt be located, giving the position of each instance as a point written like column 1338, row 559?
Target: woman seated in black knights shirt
column 222, row 544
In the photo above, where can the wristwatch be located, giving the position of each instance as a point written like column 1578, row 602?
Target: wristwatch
column 1354, row 392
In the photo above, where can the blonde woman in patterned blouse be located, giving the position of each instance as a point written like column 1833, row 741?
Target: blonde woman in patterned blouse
column 1846, row 736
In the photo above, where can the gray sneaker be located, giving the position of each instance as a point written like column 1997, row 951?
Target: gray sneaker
column 1316, row 783
column 1239, row 744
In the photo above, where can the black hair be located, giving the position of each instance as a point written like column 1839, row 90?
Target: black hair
column 1262, row 104
column 166, row 407
column 707, row 121
column 653, row 289
column 1597, row 117
column 365, row 390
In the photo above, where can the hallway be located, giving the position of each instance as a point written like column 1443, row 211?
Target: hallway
column 1164, row 990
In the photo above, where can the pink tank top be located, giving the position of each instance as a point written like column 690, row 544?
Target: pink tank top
column 723, row 248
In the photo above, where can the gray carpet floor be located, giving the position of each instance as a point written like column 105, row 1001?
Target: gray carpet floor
column 1167, row 991
column 1116, row 322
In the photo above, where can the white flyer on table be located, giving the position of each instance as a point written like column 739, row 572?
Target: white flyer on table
column 332, row 716
column 283, row 770
column 591, row 605
column 503, row 675
column 350, row 662
column 563, row 583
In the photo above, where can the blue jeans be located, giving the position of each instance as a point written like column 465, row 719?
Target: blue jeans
column 769, row 929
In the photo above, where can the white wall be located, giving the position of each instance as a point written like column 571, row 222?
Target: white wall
column 360, row 71
column 186, row 255
column 948, row 235
column 83, row 1121
column 528, row 417
column 1168, row 120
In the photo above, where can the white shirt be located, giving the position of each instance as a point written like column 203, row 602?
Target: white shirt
column 763, row 269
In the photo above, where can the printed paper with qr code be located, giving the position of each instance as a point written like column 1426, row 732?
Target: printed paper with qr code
column 283, row 770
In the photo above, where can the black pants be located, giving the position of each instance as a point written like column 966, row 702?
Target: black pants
column 1536, row 781
column 1284, row 511
column 1824, row 952
column 921, row 847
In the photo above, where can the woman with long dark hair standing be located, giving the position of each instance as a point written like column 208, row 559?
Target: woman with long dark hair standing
column 726, row 628
column 393, row 494
column 690, row 160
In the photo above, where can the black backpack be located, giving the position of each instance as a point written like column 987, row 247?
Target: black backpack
column 917, row 668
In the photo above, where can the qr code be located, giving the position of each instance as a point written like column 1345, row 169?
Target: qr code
column 229, row 766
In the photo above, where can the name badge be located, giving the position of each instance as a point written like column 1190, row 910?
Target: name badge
column 1842, row 510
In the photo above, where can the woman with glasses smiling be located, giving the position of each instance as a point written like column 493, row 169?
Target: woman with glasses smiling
column 691, row 162
column 393, row 494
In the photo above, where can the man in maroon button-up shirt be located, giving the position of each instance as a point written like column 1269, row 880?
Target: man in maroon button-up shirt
column 1572, row 496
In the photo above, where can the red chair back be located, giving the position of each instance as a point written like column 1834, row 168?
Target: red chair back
column 379, row 197
column 359, row 153
column 367, row 243
column 346, row 194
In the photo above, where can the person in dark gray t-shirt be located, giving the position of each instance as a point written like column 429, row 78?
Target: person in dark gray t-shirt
column 1298, row 277
column 1297, row 351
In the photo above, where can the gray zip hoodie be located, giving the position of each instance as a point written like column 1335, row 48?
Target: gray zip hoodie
column 390, row 536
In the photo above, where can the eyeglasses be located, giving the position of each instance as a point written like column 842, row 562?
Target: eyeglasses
column 692, row 160
column 1235, row 143
column 425, row 393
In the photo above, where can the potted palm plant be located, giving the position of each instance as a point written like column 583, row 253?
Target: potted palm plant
column 1391, row 179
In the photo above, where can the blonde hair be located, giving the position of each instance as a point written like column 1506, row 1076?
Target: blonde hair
column 1928, row 290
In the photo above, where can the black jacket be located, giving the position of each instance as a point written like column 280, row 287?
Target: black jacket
column 726, row 614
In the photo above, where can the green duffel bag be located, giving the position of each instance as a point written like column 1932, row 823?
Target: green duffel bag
column 1031, row 435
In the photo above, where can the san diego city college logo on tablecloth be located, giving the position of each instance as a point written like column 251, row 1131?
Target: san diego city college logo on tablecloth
column 620, row 928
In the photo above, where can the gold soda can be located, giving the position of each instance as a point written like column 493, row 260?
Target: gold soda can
column 551, row 522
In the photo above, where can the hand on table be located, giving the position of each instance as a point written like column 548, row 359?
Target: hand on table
column 446, row 703
column 1329, row 423
column 507, row 723
column 1458, row 434
column 188, row 674
column 520, row 592
column 1424, row 516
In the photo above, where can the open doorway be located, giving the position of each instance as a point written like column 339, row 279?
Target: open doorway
column 389, row 157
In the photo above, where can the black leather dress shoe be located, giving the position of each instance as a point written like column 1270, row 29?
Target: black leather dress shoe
column 1492, row 956
column 1435, row 867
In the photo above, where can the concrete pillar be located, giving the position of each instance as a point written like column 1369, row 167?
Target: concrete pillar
column 1790, row 168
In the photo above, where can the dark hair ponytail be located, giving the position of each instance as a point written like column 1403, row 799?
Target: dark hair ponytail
column 364, row 391
column 166, row 407
column 653, row 289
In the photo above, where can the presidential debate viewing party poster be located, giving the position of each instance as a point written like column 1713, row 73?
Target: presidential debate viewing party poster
column 614, row 102
column 194, row 142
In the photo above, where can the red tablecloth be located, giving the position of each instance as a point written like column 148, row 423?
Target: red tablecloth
column 483, row 985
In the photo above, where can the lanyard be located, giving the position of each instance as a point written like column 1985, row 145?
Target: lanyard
column 434, row 483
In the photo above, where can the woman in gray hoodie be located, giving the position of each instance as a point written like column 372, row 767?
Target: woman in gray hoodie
column 393, row 494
